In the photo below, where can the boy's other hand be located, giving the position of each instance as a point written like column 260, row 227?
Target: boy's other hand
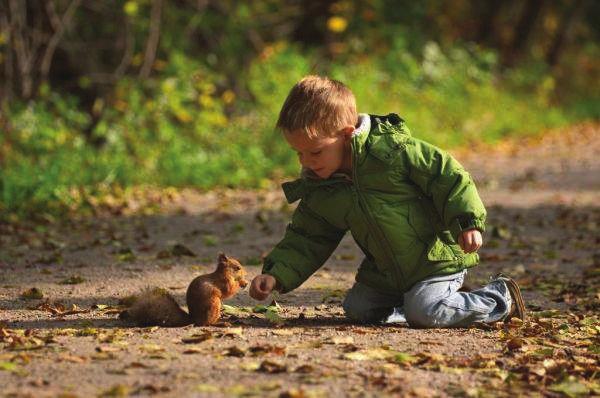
column 261, row 286
column 470, row 241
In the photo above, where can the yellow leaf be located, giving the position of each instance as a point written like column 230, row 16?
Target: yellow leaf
column 131, row 8
column 228, row 97
column 337, row 24
column 340, row 340
column 370, row 354
column 152, row 348
column 32, row 294
column 283, row 332
column 250, row 366
column 206, row 388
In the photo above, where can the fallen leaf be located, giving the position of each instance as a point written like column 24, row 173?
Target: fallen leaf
column 206, row 388
column 232, row 332
column 269, row 366
column 403, row 358
column 32, row 294
column 283, row 332
column 197, row 338
column 292, row 393
column 304, row 369
column 126, row 255
column 340, row 340
column 250, row 366
column 345, row 257
column 73, row 280
column 234, row 351
column 106, row 348
column 119, row 390
column 570, row 387
column 193, row 350
column 515, row 343
column 9, row 367
column 152, row 348
column 267, row 349
column 139, row 365
column 232, row 310
column 425, row 392
column 72, row 358
column 179, row 250
column 273, row 317
column 370, row 354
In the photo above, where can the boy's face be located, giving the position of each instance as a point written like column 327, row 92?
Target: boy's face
column 323, row 155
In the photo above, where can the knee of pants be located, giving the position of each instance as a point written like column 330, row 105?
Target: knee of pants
column 358, row 310
column 352, row 307
column 422, row 314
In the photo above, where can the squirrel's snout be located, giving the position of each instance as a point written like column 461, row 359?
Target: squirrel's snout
column 243, row 283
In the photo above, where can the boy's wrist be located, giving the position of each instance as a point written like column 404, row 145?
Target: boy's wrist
column 277, row 286
column 462, row 224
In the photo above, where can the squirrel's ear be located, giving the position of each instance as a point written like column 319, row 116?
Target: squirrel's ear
column 222, row 257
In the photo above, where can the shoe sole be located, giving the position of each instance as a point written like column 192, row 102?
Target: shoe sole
column 515, row 294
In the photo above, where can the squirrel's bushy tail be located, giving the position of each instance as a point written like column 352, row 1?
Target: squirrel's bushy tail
column 156, row 307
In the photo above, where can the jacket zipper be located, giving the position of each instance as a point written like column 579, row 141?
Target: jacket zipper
column 382, row 239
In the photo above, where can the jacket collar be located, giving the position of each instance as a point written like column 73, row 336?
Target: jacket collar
column 360, row 135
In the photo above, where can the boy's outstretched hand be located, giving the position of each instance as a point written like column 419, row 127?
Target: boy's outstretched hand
column 261, row 286
column 470, row 241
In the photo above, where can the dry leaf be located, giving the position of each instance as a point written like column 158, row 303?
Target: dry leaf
column 340, row 340
column 370, row 354
column 283, row 332
column 197, row 338
column 234, row 351
column 32, row 294
column 515, row 343
column 269, row 366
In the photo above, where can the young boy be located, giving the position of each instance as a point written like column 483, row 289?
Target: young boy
column 411, row 208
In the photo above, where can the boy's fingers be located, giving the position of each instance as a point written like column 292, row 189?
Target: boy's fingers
column 469, row 240
column 257, row 294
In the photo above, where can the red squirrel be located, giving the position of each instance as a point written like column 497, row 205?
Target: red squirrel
column 156, row 307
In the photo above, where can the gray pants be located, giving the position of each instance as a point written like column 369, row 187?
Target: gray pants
column 432, row 303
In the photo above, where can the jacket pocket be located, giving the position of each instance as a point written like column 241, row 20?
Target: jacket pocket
column 438, row 251
column 388, row 148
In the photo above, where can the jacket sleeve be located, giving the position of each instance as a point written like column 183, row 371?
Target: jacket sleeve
column 447, row 183
column 308, row 242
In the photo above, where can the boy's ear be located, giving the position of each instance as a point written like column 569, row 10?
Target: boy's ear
column 347, row 132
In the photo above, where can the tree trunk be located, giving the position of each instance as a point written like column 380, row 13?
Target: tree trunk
column 153, row 37
column 562, row 32
column 485, row 32
column 529, row 16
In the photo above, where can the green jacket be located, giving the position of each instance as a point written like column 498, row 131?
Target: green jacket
column 405, row 205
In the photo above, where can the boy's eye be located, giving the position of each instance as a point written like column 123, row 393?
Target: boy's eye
column 316, row 153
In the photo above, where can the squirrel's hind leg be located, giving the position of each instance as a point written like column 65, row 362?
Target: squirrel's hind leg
column 209, row 314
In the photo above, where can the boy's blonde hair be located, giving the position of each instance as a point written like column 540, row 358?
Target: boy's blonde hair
column 318, row 106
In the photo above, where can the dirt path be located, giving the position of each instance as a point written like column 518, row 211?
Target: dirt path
column 543, row 200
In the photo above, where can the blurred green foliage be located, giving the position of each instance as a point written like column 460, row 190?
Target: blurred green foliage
column 205, row 118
